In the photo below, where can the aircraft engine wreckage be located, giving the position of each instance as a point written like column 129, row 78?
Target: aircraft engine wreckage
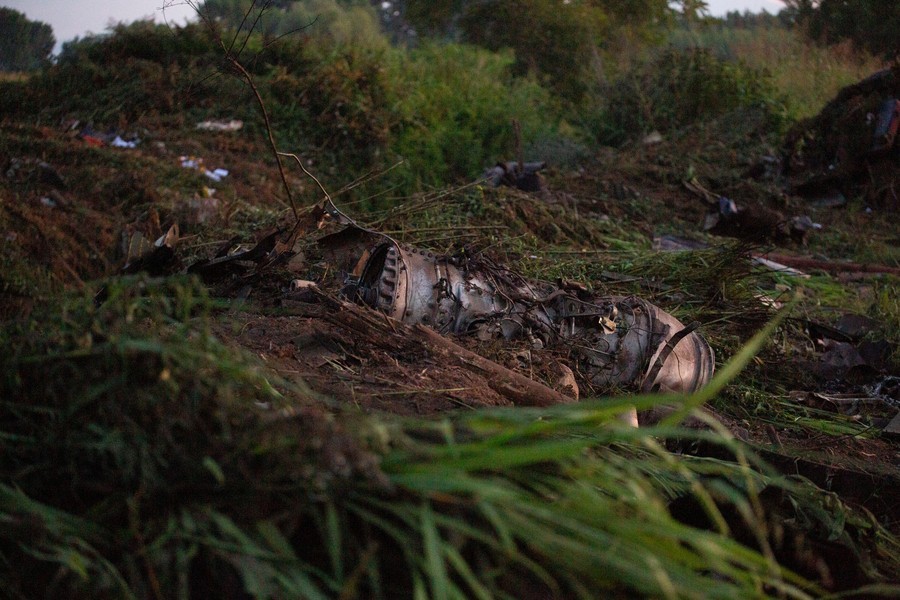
column 617, row 342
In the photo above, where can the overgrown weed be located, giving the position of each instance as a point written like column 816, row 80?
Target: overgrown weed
column 164, row 461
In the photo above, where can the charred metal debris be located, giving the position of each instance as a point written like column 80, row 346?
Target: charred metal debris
column 617, row 342
column 850, row 149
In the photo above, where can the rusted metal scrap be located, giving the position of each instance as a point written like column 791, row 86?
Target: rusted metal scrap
column 617, row 342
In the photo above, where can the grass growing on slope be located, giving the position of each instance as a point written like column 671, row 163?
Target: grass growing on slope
column 142, row 458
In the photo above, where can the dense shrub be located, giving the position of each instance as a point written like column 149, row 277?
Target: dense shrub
column 681, row 87
column 133, row 71
column 25, row 45
column 807, row 75
column 446, row 110
column 330, row 22
column 337, row 107
column 869, row 24
column 456, row 105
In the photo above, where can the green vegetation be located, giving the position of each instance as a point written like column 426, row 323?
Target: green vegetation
column 804, row 74
column 24, row 45
column 677, row 88
column 869, row 24
column 144, row 453
column 142, row 456
column 341, row 95
column 455, row 105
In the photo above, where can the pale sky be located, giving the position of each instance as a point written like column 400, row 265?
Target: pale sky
column 70, row 18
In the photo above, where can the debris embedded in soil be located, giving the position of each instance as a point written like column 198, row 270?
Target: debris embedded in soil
column 617, row 342
column 850, row 147
column 524, row 176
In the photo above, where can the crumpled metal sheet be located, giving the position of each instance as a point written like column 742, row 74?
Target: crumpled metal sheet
column 617, row 342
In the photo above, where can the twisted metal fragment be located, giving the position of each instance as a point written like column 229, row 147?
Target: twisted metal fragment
column 617, row 342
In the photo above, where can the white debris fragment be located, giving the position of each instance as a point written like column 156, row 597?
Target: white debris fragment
column 779, row 268
column 221, row 125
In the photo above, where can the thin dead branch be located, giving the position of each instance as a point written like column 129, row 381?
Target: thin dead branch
column 803, row 262
column 233, row 60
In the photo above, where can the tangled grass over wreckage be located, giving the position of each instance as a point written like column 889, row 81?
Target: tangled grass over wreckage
column 142, row 457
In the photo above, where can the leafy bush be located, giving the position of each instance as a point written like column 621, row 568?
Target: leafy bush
column 447, row 110
column 681, row 87
column 455, row 108
column 336, row 107
column 333, row 23
column 869, row 24
column 24, row 44
column 563, row 44
column 135, row 70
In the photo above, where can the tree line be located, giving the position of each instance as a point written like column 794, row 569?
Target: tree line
column 553, row 39
column 25, row 45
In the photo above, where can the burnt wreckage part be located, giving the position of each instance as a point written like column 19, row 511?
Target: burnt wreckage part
column 618, row 342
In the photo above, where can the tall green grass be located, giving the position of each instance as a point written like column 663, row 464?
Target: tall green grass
column 806, row 74
column 143, row 458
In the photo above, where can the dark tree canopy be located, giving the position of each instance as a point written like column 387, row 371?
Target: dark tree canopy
column 344, row 21
column 556, row 40
column 870, row 24
column 25, row 45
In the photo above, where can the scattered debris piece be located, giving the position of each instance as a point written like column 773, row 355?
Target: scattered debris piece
column 216, row 174
column 191, row 162
column 839, row 359
column 893, row 428
column 876, row 353
column 851, row 145
column 844, row 403
column 829, row 199
column 566, row 383
column 753, row 223
column 819, row 332
column 231, row 259
column 804, row 262
column 156, row 259
column 654, row 137
column 855, row 326
column 221, row 125
column 888, row 389
column 769, row 301
column 671, row 243
column 878, row 410
column 767, row 168
column 118, row 142
column 93, row 141
column 847, row 357
column 524, row 176
column 886, row 125
column 778, row 267
column 111, row 138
